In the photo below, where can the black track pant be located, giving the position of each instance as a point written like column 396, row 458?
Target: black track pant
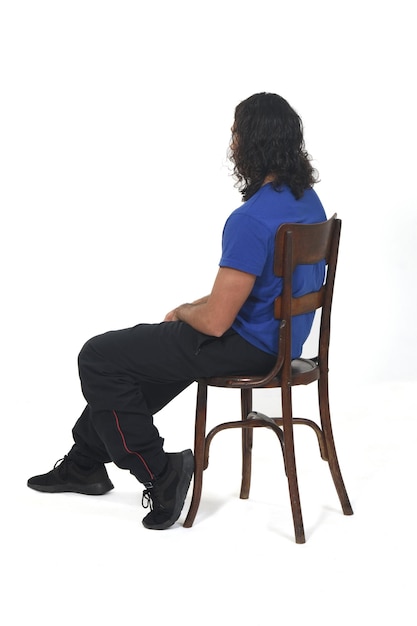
column 128, row 375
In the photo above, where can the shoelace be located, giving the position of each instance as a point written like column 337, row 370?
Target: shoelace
column 150, row 499
column 61, row 466
column 147, row 501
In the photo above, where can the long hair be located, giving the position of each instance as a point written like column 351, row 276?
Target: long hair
column 267, row 140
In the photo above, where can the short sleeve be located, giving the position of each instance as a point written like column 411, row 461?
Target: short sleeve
column 245, row 244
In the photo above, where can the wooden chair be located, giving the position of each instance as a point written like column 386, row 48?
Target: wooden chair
column 295, row 244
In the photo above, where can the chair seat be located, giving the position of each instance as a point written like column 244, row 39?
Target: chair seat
column 303, row 371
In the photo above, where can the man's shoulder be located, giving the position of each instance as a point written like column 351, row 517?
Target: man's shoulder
column 270, row 207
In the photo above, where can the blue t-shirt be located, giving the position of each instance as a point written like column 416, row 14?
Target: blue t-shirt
column 248, row 245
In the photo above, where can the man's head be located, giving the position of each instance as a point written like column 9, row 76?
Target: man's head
column 267, row 144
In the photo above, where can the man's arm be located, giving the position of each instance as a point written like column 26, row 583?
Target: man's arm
column 214, row 314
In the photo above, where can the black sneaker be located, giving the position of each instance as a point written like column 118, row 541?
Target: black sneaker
column 166, row 495
column 67, row 476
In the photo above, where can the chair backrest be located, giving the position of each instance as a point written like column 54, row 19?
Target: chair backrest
column 304, row 244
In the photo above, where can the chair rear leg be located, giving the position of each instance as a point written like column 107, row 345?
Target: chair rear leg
column 247, row 441
column 330, row 444
column 290, row 464
column 199, row 451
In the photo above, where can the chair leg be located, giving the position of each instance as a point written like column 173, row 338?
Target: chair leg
column 324, row 407
column 199, row 451
column 247, row 441
column 290, row 464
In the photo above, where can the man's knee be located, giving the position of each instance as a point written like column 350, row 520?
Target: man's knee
column 89, row 357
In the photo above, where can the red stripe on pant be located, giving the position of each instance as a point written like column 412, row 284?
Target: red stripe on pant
column 152, row 477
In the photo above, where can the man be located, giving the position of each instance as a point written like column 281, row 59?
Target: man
column 129, row 375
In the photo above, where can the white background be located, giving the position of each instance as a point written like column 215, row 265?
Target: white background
column 115, row 121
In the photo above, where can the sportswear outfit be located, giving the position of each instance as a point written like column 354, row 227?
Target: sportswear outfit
column 129, row 375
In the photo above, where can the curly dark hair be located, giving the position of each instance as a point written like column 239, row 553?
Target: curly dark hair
column 267, row 141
